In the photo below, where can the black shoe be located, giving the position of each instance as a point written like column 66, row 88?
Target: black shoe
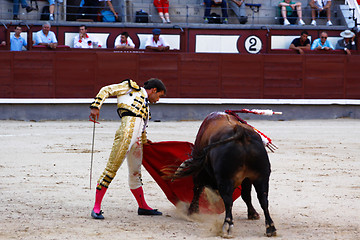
column 29, row 9
column 16, row 17
column 142, row 211
column 97, row 215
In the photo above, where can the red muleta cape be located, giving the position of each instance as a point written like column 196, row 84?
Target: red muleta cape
column 159, row 157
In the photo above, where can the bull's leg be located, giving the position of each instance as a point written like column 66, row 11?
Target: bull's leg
column 226, row 191
column 262, row 190
column 194, row 206
column 246, row 196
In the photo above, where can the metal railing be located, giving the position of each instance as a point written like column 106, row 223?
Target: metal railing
column 184, row 14
column 354, row 7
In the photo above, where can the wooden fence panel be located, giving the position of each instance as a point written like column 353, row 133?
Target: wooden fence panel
column 242, row 76
column 324, row 76
column 199, row 76
column 46, row 74
column 33, row 75
column 75, row 74
column 283, row 76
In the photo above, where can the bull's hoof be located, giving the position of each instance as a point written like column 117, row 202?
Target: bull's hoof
column 270, row 231
column 191, row 211
column 253, row 216
column 227, row 230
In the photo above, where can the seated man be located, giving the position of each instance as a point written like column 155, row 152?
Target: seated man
column 91, row 8
column 320, row 8
column 322, row 43
column 222, row 3
column 45, row 37
column 238, row 6
column 23, row 5
column 347, row 43
column 301, row 43
column 83, row 40
column 156, row 42
column 162, row 6
column 17, row 42
column 288, row 13
column 124, row 42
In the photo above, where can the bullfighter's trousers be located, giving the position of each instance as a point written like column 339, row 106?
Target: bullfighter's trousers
column 127, row 143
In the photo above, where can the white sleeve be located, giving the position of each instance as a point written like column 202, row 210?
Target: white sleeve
column 37, row 39
column 100, row 44
column 164, row 43
column 130, row 42
column 53, row 37
column 76, row 42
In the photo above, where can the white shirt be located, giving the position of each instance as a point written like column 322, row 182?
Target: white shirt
column 83, row 43
column 41, row 38
column 128, row 42
column 161, row 43
column 321, row 3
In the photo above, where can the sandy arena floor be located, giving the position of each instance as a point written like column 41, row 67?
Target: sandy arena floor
column 44, row 183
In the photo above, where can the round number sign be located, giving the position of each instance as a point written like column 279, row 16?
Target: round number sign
column 253, row 44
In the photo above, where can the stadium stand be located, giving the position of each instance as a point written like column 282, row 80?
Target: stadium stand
column 188, row 11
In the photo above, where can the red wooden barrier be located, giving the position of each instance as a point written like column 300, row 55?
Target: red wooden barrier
column 80, row 74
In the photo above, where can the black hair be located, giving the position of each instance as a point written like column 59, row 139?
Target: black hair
column 126, row 34
column 304, row 32
column 19, row 25
column 155, row 83
column 83, row 26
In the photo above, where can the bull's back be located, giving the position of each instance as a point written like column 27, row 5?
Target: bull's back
column 216, row 123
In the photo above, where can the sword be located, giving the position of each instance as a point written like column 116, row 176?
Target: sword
column 92, row 148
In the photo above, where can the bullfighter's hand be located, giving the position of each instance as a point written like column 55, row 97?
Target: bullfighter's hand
column 94, row 114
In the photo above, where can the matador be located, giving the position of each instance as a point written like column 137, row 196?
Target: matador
column 133, row 109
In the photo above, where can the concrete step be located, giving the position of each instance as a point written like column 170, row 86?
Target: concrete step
column 194, row 13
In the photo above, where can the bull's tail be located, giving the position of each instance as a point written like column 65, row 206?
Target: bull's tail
column 194, row 165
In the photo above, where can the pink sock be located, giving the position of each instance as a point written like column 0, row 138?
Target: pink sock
column 98, row 199
column 139, row 196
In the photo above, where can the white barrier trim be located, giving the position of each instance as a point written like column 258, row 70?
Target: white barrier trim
column 206, row 101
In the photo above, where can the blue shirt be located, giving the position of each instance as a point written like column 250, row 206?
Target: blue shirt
column 317, row 42
column 41, row 38
column 16, row 44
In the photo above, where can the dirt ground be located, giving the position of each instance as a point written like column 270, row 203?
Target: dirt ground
column 44, row 183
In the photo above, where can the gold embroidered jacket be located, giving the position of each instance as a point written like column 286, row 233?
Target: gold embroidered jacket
column 130, row 97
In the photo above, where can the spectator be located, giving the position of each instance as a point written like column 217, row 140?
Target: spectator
column 83, row 40
column 238, row 6
column 108, row 3
column 2, row 43
column 156, row 42
column 17, row 42
column 347, row 43
column 45, row 37
column 92, row 8
column 162, row 7
column 23, row 5
column 322, row 9
column 322, row 43
column 51, row 9
column 124, row 42
column 301, row 43
column 288, row 13
column 222, row 3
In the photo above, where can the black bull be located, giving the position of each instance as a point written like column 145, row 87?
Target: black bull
column 227, row 154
